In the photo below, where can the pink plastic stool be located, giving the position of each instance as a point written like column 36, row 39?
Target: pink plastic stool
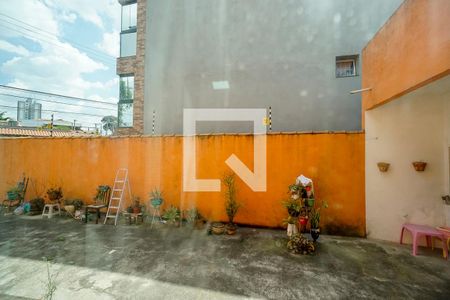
column 428, row 232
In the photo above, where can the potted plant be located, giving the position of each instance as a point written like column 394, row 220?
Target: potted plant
column 293, row 206
column 419, row 166
column 136, row 205
column 231, row 204
column 156, row 198
column 78, row 204
column 130, row 209
column 291, row 227
column 55, row 194
column 217, row 228
column 172, row 215
column 303, row 220
column 298, row 244
column 383, row 166
column 310, row 201
column 194, row 218
column 13, row 193
column 315, row 221
column 37, row 205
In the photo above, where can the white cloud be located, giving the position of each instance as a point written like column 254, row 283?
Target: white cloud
column 55, row 69
column 4, row 45
column 32, row 12
column 90, row 11
column 57, row 66
column 110, row 43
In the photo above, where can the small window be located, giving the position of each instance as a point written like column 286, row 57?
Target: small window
column 346, row 66
column 129, row 17
column 125, row 114
column 126, row 98
column 127, row 44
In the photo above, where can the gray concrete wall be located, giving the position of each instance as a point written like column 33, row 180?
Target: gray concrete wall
column 278, row 53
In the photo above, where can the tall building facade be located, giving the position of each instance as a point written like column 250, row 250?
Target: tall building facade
column 299, row 59
column 28, row 110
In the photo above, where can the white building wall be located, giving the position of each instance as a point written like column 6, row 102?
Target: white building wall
column 413, row 128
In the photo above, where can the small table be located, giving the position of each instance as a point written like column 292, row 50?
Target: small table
column 428, row 232
column 133, row 217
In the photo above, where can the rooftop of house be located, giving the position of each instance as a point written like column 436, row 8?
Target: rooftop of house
column 27, row 131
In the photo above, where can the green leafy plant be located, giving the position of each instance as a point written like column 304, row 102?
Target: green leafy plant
column 298, row 244
column 314, row 215
column 37, row 204
column 55, row 194
column 78, row 204
column 156, row 194
column 192, row 215
column 293, row 206
column 231, row 204
column 102, row 193
column 172, row 215
column 156, row 197
column 289, row 220
column 14, row 193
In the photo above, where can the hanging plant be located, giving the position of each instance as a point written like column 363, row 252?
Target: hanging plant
column 419, row 166
column 383, row 167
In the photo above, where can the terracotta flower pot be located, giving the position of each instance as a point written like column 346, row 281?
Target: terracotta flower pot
column 419, row 166
column 218, row 228
column 231, row 229
column 383, row 167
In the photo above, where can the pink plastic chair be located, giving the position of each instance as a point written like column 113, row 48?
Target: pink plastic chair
column 428, row 232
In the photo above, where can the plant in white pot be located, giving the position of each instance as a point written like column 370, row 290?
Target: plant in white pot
column 291, row 226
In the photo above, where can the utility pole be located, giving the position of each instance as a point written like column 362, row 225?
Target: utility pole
column 74, row 125
column 51, row 127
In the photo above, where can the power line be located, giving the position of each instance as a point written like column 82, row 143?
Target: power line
column 58, row 111
column 53, row 35
column 63, row 46
column 53, row 101
column 54, row 95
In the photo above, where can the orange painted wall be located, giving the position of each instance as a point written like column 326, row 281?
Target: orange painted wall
column 334, row 161
column 409, row 51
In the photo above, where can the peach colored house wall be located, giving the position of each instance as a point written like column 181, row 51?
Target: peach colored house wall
column 409, row 51
column 414, row 127
column 334, row 161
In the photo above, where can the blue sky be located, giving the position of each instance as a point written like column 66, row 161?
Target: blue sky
column 61, row 46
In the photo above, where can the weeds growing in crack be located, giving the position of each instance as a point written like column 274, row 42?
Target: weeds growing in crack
column 50, row 284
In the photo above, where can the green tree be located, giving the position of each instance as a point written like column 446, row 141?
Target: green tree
column 2, row 116
column 109, row 123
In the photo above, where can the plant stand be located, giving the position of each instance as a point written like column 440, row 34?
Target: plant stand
column 156, row 213
column 50, row 208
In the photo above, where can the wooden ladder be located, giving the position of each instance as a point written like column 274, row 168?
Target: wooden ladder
column 117, row 194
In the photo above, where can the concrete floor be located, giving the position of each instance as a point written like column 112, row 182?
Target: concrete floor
column 136, row 262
